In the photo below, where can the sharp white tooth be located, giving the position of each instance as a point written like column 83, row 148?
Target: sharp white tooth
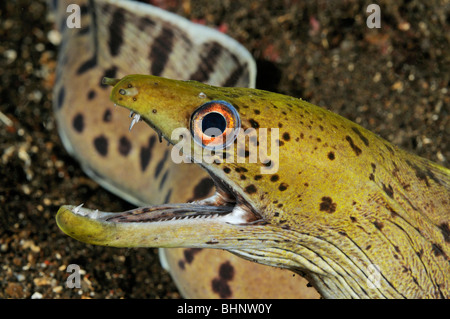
column 95, row 214
column 136, row 118
column 76, row 210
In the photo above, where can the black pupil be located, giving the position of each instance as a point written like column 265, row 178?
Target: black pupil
column 215, row 123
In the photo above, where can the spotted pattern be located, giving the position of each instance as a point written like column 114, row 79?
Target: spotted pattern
column 146, row 153
column 78, row 123
column 220, row 284
column 327, row 205
column 101, row 145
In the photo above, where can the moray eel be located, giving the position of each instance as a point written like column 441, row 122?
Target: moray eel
column 329, row 200
column 116, row 38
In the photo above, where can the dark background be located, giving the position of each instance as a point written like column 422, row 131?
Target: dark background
column 393, row 81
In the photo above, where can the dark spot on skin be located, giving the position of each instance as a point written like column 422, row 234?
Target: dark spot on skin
column 437, row 250
column 161, row 163
column 78, row 123
column 283, row 187
column 181, row 264
column 274, row 178
column 167, row 198
column 116, row 32
column 243, row 178
column 353, row 219
column 160, row 51
column 227, row 170
column 257, row 177
column 61, row 97
column 362, row 137
column 124, row 146
column 372, row 177
column 445, row 229
column 203, row 188
column 253, row 123
column 91, row 95
column 163, row 179
column 146, row 153
column 250, row 189
column 355, row 148
column 379, row 225
column 306, row 184
column 89, row 64
column 154, row 111
column 107, row 116
column 226, row 271
column 101, row 145
column 220, row 284
column 388, row 190
column 331, row 156
column 189, row 254
column 286, row 136
column 327, row 205
column 210, row 51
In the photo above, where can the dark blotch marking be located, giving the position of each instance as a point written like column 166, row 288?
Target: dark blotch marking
column 161, row 163
column 372, row 177
column 286, row 136
column 355, row 148
column 250, row 189
column 167, row 198
column 220, row 284
column 210, row 53
column 327, row 205
column 116, row 32
column 86, row 66
column 256, row 111
column 202, row 189
column 274, row 178
column 101, row 145
column 362, row 137
column 107, row 116
column 78, row 123
column 91, row 95
column 146, row 153
column 283, row 187
column 445, row 229
column 124, row 146
column 253, row 123
column 379, row 225
column 388, row 190
column 331, row 156
column 227, row 170
column 189, row 254
column 437, row 250
column 160, row 51
column 257, row 177
column 163, row 179
column 61, row 97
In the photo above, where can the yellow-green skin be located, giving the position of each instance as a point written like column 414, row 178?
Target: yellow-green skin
column 353, row 213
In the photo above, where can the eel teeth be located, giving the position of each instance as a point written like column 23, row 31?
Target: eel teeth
column 77, row 211
column 136, row 118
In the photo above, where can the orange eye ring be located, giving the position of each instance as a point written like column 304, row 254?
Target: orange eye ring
column 215, row 124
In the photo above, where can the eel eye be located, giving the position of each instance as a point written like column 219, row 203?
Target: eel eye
column 215, row 124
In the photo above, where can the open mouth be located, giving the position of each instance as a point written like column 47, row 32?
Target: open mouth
column 224, row 206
